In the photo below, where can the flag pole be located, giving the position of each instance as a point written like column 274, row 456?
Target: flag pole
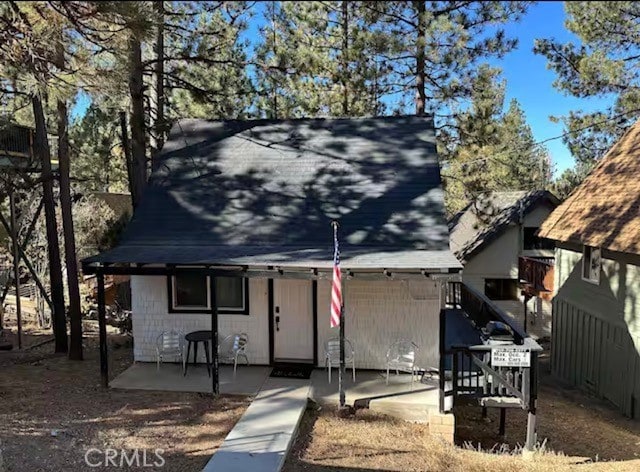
column 341, row 371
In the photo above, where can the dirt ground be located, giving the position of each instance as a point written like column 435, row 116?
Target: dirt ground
column 52, row 411
column 575, row 432
column 373, row 442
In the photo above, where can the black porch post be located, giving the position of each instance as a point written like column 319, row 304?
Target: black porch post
column 342, row 366
column 443, row 348
column 102, row 327
column 16, row 263
column 341, row 370
column 526, row 299
column 214, row 336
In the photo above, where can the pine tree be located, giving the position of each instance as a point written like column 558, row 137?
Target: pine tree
column 206, row 64
column 604, row 64
column 491, row 150
column 434, row 49
column 319, row 59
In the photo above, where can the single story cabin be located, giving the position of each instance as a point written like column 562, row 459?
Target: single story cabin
column 233, row 234
column 596, row 307
column 492, row 237
column 254, row 200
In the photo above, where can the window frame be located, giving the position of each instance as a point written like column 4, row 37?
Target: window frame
column 588, row 259
column 207, row 309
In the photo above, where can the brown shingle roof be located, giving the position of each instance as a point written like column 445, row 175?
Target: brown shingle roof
column 604, row 211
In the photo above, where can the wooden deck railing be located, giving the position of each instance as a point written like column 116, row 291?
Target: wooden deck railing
column 479, row 309
column 16, row 141
column 536, row 274
column 501, row 375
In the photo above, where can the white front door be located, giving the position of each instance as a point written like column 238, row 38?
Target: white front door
column 293, row 320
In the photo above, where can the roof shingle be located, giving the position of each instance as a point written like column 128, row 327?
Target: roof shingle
column 266, row 191
column 604, row 211
column 481, row 222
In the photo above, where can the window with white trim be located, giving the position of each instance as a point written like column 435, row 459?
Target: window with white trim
column 591, row 264
column 190, row 293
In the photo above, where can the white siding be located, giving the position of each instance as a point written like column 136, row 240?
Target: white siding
column 150, row 317
column 499, row 259
column 378, row 313
column 381, row 312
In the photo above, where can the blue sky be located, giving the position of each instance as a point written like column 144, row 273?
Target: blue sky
column 528, row 79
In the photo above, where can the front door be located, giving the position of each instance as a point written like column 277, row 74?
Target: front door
column 293, row 320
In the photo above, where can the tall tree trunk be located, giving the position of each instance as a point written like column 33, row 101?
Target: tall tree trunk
column 55, row 268
column 344, row 58
column 421, row 38
column 159, row 125
column 126, row 148
column 274, row 82
column 136, row 91
column 71, row 261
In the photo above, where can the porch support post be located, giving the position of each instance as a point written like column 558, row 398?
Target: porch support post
column 532, row 436
column 341, row 370
column 214, row 336
column 526, row 299
column 442, row 295
column 342, row 366
column 503, row 418
column 102, row 329
column 442, row 366
column 16, row 263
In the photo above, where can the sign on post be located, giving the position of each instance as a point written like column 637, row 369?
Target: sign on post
column 510, row 357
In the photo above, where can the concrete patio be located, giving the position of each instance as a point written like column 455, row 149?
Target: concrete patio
column 369, row 389
column 145, row 376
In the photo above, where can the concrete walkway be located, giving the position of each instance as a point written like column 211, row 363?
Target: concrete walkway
column 260, row 441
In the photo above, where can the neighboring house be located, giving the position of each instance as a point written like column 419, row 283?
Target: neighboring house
column 119, row 203
column 490, row 235
column 250, row 203
column 596, row 308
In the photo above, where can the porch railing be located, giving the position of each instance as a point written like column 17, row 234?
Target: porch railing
column 474, row 376
column 536, row 274
column 16, row 141
column 501, row 375
column 479, row 309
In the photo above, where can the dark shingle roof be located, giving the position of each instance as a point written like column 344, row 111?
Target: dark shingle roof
column 264, row 192
column 482, row 221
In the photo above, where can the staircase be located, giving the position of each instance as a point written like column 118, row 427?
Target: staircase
column 495, row 371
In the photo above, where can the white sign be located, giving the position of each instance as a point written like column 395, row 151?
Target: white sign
column 510, row 357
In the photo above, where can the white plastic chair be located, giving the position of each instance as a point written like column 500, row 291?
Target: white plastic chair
column 169, row 344
column 401, row 356
column 332, row 355
column 232, row 348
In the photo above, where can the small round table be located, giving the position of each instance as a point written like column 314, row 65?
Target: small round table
column 196, row 337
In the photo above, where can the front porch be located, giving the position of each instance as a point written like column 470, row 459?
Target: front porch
column 370, row 389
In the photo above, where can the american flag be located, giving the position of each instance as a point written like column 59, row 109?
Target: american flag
column 336, row 285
